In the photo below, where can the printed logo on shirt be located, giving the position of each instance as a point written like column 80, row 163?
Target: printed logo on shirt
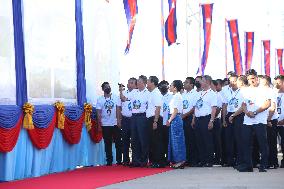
column 234, row 102
column 129, row 106
column 185, row 104
column 199, row 104
column 165, row 107
column 250, row 102
column 108, row 105
column 136, row 104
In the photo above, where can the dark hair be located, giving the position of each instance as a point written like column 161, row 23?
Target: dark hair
column 199, row 76
column 154, row 79
column 230, row 73
column 251, row 72
column 143, row 78
column 267, row 78
column 104, row 84
column 233, row 75
column 178, row 85
column 133, row 79
column 219, row 81
column 163, row 82
column 243, row 79
column 281, row 77
column 214, row 82
column 191, row 80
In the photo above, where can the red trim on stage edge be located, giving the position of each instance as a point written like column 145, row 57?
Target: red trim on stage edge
column 73, row 129
column 86, row 178
column 9, row 137
column 41, row 137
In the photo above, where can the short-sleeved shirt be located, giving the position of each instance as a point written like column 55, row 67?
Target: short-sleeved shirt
column 166, row 110
column 108, row 108
column 280, row 106
column 233, row 99
column 254, row 98
column 188, row 98
column 126, row 107
column 204, row 101
column 176, row 102
column 139, row 101
column 155, row 99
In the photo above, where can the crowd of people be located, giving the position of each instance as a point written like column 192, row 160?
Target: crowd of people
column 198, row 122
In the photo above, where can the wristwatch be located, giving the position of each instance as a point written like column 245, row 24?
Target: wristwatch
column 255, row 113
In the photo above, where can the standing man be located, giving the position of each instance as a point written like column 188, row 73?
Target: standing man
column 187, row 115
column 205, row 111
column 139, row 127
column 155, row 123
column 164, row 88
column 126, row 118
column 256, row 102
column 108, row 114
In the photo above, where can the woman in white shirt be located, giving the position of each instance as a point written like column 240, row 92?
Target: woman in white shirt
column 176, row 148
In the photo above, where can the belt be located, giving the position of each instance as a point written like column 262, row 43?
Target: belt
column 203, row 116
column 139, row 114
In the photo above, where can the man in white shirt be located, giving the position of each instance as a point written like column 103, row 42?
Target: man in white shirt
column 205, row 110
column 187, row 115
column 108, row 114
column 126, row 118
column 255, row 105
column 155, row 123
column 164, row 88
column 279, row 85
column 265, row 82
column 139, row 128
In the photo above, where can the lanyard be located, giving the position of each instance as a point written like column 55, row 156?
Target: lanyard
column 203, row 94
column 236, row 93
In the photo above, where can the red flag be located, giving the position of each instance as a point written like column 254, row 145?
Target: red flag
column 279, row 53
column 249, row 44
column 236, row 48
column 266, row 55
column 207, row 10
column 171, row 23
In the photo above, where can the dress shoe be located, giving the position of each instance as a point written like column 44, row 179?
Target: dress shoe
column 245, row 169
column 262, row 169
column 208, row 165
column 282, row 165
column 109, row 164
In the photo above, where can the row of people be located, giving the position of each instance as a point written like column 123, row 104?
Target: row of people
column 200, row 122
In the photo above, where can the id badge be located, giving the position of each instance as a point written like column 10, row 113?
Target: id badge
column 279, row 110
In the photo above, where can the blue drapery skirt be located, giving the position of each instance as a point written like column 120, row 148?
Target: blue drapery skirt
column 176, row 147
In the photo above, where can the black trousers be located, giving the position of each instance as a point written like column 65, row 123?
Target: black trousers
column 110, row 134
column 126, row 135
column 204, row 139
column 217, row 140
column 156, row 144
column 272, row 143
column 261, row 136
column 238, row 125
column 281, row 133
column 165, row 141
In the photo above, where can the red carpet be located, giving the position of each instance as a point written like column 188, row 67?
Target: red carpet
column 85, row 178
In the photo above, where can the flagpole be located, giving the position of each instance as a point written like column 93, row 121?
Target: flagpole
column 200, row 63
column 276, row 62
column 226, row 49
column 163, row 39
column 245, row 44
column 261, row 61
column 186, row 38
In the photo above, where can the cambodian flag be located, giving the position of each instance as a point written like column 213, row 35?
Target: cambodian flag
column 207, row 10
column 171, row 23
column 266, row 55
column 249, row 44
column 236, row 48
column 131, row 10
column 279, row 53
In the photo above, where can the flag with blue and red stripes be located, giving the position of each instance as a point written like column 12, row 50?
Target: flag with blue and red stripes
column 131, row 10
column 279, row 53
column 266, row 55
column 249, row 44
column 236, row 48
column 207, row 10
column 171, row 23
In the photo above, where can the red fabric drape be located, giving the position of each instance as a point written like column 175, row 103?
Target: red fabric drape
column 72, row 130
column 41, row 137
column 95, row 133
column 9, row 137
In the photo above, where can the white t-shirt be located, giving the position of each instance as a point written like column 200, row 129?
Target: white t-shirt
column 166, row 110
column 280, row 106
column 188, row 98
column 224, row 92
column 176, row 102
column 108, row 108
column 219, row 103
column 126, row 107
column 204, row 101
column 233, row 99
column 155, row 99
column 255, row 97
column 274, row 95
column 139, row 100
